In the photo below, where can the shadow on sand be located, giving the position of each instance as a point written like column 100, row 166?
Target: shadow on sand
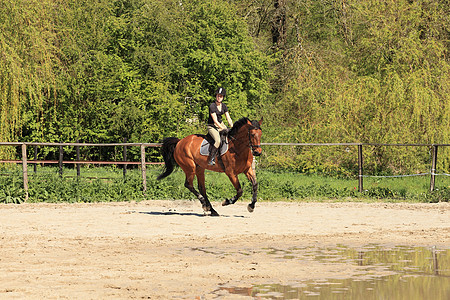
column 176, row 213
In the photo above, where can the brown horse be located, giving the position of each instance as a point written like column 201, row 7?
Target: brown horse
column 244, row 141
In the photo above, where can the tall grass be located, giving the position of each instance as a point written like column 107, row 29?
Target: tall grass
column 107, row 184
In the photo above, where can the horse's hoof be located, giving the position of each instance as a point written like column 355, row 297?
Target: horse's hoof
column 251, row 208
column 226, row 202
column 214, row 213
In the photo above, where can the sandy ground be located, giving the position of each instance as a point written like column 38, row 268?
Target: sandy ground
column 169, row 249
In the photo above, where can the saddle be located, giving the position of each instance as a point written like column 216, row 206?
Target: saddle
column 208, row 141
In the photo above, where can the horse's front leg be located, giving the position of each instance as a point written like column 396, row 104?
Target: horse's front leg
column 237, row 185
column 252, row 177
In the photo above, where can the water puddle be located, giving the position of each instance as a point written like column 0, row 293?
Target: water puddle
column 408, row 273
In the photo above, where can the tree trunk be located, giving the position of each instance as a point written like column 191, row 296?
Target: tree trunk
column 279, row 24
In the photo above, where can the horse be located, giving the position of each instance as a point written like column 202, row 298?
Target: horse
column 244, row 142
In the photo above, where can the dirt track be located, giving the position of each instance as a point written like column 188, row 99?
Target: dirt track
column 168, row 249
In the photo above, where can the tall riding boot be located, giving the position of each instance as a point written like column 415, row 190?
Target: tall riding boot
column 212, row 155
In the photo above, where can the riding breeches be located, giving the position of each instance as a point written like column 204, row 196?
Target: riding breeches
column 214, row 132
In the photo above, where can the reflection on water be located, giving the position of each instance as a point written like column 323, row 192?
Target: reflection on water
column 418, row 273
column 388, row 287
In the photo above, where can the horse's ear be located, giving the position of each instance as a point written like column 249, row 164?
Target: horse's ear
column 260, row 121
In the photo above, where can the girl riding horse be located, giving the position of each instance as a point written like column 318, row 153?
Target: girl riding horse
column 244, row 140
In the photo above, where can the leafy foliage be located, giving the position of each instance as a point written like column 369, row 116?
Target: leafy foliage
column 11, row 190
column 318, row 71
column 362, row 71
column 128, row 69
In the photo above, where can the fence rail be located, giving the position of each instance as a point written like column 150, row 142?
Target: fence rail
column 143, row 162
column 361, row 175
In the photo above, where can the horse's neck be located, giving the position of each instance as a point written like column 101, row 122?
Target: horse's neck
column 241, row 141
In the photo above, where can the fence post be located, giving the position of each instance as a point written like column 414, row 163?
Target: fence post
column 124, row 158
column 60, row 161
column 433, row 167
column 35, row 159
column 25, row 170
column 144, row 172
column 78, row 159
column 360, row 168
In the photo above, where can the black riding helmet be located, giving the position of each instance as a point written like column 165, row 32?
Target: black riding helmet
column 221, row 91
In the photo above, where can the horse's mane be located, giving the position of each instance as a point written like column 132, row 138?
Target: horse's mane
column 241, row 122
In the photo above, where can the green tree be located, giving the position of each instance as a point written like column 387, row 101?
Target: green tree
column 360, row 71
column 27, row 56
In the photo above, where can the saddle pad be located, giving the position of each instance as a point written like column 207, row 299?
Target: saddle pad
column 204, row 148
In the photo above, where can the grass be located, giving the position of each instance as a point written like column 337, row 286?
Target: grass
column 296, row 186
column 97, row 184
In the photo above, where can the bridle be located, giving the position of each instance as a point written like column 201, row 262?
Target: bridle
column 253, row 147
column 250, row 144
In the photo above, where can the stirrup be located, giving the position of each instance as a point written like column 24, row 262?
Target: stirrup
column 212, row 162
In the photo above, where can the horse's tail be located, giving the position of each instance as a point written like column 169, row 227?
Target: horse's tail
column 167, row 149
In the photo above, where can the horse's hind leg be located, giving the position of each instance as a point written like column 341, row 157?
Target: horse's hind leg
column 189, row 184
column 200, row 172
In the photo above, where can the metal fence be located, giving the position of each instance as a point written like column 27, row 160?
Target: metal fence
column 142, row 163
column 432, row 173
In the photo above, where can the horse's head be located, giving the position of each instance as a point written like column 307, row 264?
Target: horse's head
column 249, row 133
column 254, row 135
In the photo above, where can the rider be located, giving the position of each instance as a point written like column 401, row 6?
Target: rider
column 215, row 123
